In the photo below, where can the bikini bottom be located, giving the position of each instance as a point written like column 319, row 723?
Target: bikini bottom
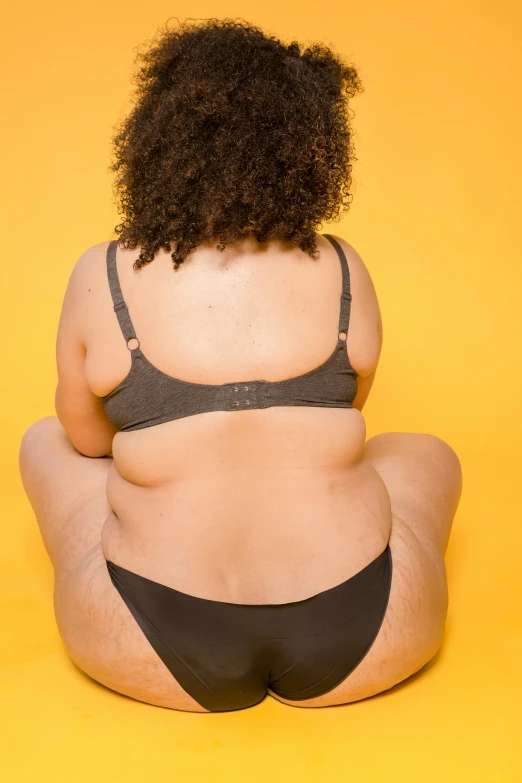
column 226, row 655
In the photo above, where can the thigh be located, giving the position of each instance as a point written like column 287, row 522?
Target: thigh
column 68, row 494
column 423, row 477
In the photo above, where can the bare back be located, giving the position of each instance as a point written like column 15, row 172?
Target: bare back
column 255, row 506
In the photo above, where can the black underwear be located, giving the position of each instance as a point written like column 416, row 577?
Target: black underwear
column 227, row 655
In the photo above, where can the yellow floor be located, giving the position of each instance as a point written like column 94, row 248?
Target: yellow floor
column 457, row 720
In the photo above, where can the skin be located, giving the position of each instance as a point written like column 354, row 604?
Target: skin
column 257, row 506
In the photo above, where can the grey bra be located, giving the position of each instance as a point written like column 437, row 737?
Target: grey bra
column 147, row 396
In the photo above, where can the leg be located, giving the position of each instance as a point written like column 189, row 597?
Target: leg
column 66, row 491
column 423, row 476
column 68, row 494
column 424, row 480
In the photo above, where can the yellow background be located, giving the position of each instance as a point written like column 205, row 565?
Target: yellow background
column 436, row 216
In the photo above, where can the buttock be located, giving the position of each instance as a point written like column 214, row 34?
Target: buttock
column 102, row 636
column 413, row 626
column 228, row 655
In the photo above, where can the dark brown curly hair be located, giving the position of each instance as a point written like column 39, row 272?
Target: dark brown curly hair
column 232, row 133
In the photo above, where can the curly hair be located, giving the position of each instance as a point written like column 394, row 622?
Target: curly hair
column 233, row 133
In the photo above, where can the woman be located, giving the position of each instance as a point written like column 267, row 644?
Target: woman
column 219, row 526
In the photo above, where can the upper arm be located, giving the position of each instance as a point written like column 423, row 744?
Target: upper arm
column 79, row 410
column 364, row 385
column 366, row 330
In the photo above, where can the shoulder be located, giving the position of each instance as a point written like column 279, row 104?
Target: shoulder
column 360, row 278
column 365, row 308
column 87, row 287
column 88, row 276
column 355, row 261
column 90, row 265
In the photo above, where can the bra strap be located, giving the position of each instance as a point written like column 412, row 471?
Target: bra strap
column 346, row 297
column 120, row 308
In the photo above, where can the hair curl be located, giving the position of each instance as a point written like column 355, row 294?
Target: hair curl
column 232, row 133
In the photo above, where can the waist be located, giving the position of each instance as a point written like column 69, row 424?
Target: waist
column 250, row 537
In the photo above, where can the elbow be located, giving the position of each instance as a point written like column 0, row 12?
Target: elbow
column 88, row 448
column 89, row 434
column 86, row 441
column 94, row 453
